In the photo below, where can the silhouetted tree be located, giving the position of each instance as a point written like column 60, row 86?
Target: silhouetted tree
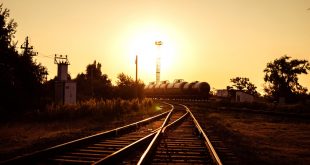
column 127, row 88
column 20, row 77
column 281, row 77
column 243, row 84
column 93, row 84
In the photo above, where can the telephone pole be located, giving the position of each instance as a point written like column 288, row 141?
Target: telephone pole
column 136, row 62
column 136, row 84
column 27, row 48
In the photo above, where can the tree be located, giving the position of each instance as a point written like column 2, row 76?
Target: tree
column 7, row 30
column 93, row 84
column 243, row 84
column 281, row 77
column 127, row 88
column 20, row 77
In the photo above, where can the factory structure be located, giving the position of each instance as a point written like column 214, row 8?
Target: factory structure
column 65, row 90
column 158, row 44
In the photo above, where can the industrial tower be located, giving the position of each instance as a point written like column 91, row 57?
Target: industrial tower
column 158, row 44
column 65, row 90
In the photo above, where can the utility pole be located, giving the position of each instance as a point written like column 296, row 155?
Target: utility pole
column 28, row 52
column 91, row 80
column 136, row 91
column 28, row 48
column 136, row 62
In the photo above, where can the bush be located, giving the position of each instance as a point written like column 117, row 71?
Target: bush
column 97, row 109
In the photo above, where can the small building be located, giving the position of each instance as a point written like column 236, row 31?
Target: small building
column 222, row 93
column 65, row 90
column 241, row 97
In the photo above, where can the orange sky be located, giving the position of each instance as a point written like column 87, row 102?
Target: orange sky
column 205, row 40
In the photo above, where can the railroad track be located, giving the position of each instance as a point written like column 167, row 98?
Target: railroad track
column 224, row 151
column 181, row 142
column 174, row 136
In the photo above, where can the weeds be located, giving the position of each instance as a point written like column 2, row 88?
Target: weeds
column 289, row 108
column 96, row 109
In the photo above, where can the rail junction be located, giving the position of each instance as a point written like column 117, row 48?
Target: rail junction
column 172, row 137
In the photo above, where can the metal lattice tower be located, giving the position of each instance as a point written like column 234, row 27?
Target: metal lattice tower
column 158, row 44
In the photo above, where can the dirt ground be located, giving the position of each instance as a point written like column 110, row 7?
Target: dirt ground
column 22, row 137
column 263, row 139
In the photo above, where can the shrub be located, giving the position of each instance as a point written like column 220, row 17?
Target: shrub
column 93, row 108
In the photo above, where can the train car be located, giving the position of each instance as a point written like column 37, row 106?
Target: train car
column 163, row 87
column 175, row 88
column 200, row 90
column 149, row 89
column 178, row 89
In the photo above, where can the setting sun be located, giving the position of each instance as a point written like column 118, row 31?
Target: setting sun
column 154, row 82
column 142, row 43
column 202, row 40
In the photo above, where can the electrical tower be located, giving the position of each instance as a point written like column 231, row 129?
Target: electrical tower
column 158, row 44
column 65, row 90
column 62, row 63
column 27, row 48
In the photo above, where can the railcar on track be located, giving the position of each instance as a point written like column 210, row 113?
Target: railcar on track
column 179, row 89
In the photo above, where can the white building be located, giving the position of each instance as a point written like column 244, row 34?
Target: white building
column 222, row 93
column 65, row 90
column 243, row 97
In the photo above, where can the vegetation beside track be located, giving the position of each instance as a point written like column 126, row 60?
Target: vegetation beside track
column 260, row 138
column 38, row 130
column 298, row 108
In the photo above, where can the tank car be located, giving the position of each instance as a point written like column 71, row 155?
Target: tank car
column 175, row 88
column 148, row 89
column 163, row 87
column 178, row 89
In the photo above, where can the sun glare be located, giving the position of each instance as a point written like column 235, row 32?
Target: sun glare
column 142, row 44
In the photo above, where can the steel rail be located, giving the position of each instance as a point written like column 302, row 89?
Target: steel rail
column 174, row 123
column 37, row 155
column 208, row 144
column 112, row 158
column 146, row 155
column 148, row 152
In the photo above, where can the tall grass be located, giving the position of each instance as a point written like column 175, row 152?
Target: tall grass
column 290, row 108
column 97, row 109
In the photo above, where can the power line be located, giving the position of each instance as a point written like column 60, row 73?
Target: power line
column 45, row 55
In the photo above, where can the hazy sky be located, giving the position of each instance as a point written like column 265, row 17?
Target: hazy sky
column 205, row 40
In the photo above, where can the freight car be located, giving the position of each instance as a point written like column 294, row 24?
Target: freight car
column 179, row 89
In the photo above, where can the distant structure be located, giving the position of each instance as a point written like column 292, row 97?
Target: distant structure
column 241, row 97
column 28, row 52
column 136, row 62
column 65, row 90
column 158, row 44
column 222, row 93
column 27, row 48
column 235, row 95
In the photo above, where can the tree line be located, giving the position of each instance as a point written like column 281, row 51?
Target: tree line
column 22, row 79
column 94, row 84
column 281, row 80
column 22, row 85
